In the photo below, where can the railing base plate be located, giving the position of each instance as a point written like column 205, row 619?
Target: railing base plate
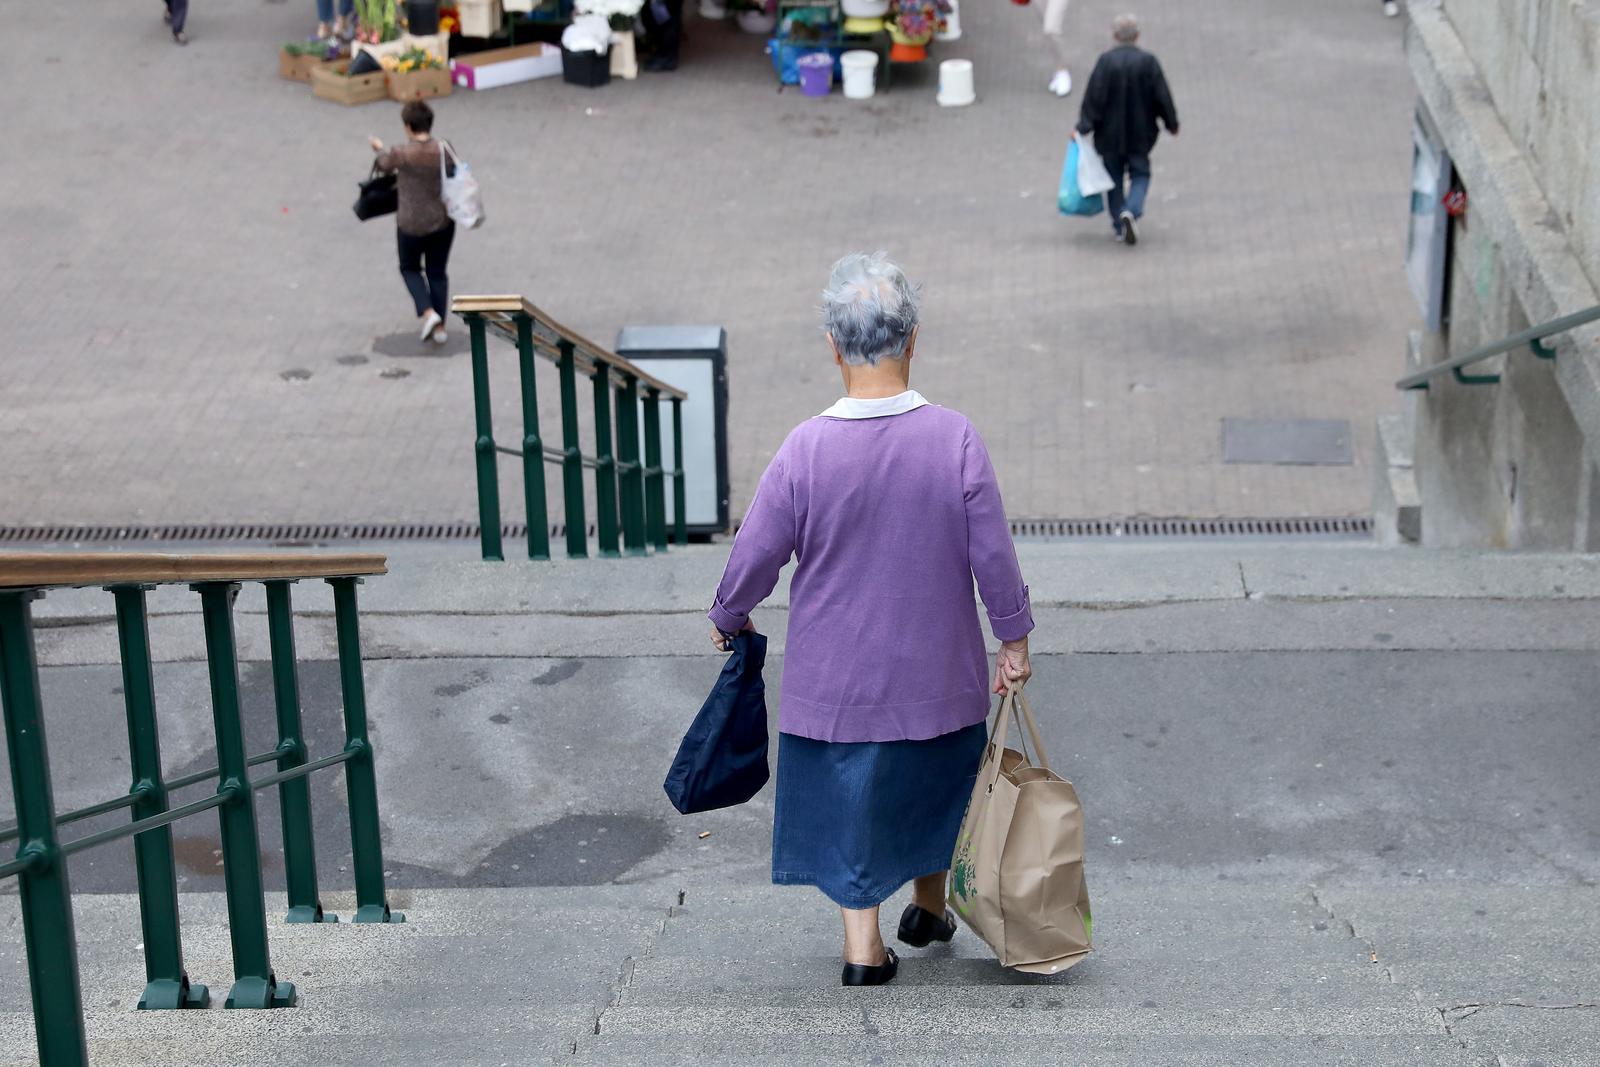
column 256, row 992
column 305, row 913
column 166, row 994
column 378, row 913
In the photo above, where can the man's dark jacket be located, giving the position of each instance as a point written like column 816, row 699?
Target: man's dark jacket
column 1127, row 93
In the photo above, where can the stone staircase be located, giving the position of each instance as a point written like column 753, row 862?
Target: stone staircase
column 623, row 975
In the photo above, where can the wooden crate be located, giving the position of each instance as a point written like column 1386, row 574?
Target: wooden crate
column 330, row 82
column 479, row 18
column 298, row 68
column 419, row 84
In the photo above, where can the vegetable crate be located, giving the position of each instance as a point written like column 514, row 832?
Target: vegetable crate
column 297, row 66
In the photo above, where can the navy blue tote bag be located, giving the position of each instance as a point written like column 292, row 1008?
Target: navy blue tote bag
column 723, row 758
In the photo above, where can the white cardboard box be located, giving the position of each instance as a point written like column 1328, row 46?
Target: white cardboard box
column 506, row 66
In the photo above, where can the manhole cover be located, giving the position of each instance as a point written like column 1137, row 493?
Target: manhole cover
column 1314, row 442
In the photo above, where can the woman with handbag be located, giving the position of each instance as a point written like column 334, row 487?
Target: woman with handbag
column 425, row 229
column 891, row 508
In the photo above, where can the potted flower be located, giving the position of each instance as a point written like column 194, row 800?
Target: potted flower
column 755, row 16
column 377, row 21
column 912, row 24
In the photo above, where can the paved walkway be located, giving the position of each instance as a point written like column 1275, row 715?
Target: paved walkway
column 201, row 331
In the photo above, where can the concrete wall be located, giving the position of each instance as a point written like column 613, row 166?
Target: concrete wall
column 1513, row 87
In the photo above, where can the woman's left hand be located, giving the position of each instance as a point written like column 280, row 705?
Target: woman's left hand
column 377, row 145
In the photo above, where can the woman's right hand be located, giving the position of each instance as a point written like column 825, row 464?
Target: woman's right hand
column 721, row 643
column 1011, row 666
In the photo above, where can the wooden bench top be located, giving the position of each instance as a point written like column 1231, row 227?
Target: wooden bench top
column 39, row 570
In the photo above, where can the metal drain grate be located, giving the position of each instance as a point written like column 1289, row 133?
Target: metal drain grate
column 1338, row 527
column 312, row 533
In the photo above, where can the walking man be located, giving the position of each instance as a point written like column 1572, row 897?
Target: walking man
column 1127, row 93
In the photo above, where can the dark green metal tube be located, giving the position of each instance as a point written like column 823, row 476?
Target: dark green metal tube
column 605, row 465
column 483, row 445
column 572, row 457
column 532, row 446
column 680, row 497
column 360, row 776
column 294, row 796
column 629, row 468
column 655, row 484
column 46, row 898
column 166, row 982
column 254, row 984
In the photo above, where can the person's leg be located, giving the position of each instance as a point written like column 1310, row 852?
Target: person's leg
column 927, row 893
column 411, row 270
column 178, row 15
column 1138, row 184
column 436, row 254
column 1055, row 28
column 863, row 941
column 1115, row 165
column 324, row 16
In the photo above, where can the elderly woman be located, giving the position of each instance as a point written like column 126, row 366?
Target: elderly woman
column 890, row 507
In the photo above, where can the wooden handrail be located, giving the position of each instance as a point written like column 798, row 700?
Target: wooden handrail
column 499, row 310
column 41, row 570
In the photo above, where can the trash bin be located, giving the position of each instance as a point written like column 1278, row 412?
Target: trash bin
column 816, row 73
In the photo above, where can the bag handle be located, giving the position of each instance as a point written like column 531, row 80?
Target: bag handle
column 1016, row 703
column 445, row 149
column 1024, row 716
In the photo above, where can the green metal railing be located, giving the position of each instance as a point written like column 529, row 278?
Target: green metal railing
column 1534, row 337
column 630, row 489
column 40, row 865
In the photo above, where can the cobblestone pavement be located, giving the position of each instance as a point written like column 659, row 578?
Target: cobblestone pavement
column 200, row 331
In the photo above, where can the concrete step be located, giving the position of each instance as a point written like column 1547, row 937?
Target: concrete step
column 1056, row 1050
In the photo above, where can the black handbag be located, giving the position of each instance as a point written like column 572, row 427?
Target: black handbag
column 380, row 195
column 723, row 758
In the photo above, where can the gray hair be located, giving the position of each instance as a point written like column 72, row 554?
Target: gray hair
column 1125, row 28
column 869, row 308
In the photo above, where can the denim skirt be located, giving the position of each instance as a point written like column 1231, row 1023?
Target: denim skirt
column 860, row 820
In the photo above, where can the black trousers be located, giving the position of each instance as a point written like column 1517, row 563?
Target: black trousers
column 663, row 36
column 422, row 264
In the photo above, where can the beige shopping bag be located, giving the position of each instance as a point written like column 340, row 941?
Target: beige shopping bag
column 1017, row 874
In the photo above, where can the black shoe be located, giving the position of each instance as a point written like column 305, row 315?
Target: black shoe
column 918, row 926
column 661, row 64
column 1130, row 234
column 861, row 974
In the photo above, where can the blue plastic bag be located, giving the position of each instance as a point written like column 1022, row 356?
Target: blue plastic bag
column 723, row 758
column 1069, row 201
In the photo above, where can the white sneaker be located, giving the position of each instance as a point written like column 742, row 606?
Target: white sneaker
column 430, row 321
column 439, row 336
column 1061, row 83
column 1390, row 8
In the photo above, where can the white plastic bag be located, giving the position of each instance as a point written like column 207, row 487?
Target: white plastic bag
column 463, row 201
column 1093, row 178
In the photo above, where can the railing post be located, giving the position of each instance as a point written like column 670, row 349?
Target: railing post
column 532, row 447
column 254, row 984
column 680, row 497
column 46, row 899
column 166, row 982
column 572, row 457
column 294, row 796
column 632, row 471
column 605, row 464
column 360, row 777
column 655, row 485
column 483, row 444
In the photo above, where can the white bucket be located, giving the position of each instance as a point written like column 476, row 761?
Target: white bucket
column 952, row 23
column 865, row 9
column 955, row 83
column 860, row 73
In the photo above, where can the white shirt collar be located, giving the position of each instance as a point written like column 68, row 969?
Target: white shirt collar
column 852, row 408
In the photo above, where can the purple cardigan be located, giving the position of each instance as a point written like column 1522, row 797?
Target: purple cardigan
column 890, row 519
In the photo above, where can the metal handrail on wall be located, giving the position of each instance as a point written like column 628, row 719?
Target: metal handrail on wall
column 1534, row 337
column 618, row 475
column 41, row 857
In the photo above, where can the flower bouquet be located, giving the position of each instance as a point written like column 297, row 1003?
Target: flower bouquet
column 377, row 21
column 912, row 23
column 618, row 13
